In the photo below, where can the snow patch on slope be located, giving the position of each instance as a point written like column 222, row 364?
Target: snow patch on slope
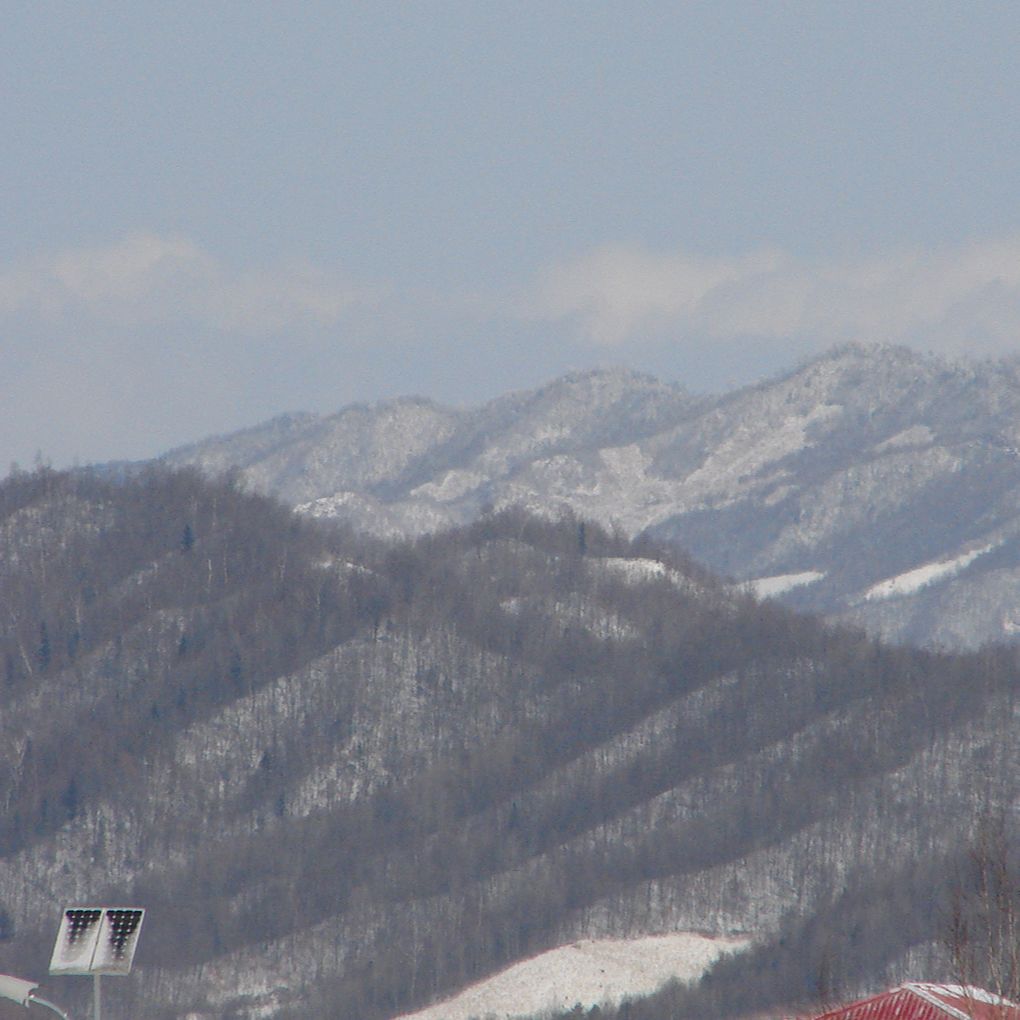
column 592, row 972
column 387, row 520
column 914, row 580
column 916, row 435
column 452, row 485
column 734, row 464
column 768, row 587
column 639, row 569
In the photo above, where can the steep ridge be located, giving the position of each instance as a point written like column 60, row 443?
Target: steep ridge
column 874, row 484
column 349, row 777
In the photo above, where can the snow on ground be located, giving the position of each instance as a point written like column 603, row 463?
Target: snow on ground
column 639, row 569
column 767, row 587
column 959, row 992
column 736, row 463
column 916, row 435
column 914, row 580
column 594, row 972
column 454, row 484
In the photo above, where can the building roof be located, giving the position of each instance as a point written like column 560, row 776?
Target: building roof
column 918, row 1001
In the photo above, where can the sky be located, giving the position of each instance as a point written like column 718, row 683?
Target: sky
column 211, row 214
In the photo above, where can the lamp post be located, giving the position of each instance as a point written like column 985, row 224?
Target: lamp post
column 97, row 941
column 23, row 993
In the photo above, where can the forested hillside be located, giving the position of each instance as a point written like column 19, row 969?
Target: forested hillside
column 347, row 776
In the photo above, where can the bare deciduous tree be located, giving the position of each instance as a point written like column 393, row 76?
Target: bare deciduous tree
column 983, row 934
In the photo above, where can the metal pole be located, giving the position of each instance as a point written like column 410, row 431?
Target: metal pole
column 97, row 999
column 39, row 1001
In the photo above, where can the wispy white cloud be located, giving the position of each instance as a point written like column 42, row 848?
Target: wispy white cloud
column 956, row 299
column 613, row 294
column 147, row 279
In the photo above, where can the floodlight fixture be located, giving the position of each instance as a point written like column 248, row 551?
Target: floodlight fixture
column 97, row 941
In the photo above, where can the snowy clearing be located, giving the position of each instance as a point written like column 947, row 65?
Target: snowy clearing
column 916, row 435
column 593, row 972
column 636, row 570
column 767, row 587
column 914, row 580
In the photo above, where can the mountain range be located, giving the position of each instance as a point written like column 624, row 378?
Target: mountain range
column 874, row 485
column 349, row 776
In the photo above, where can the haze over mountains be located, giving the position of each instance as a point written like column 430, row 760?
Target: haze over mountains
column 875, row 485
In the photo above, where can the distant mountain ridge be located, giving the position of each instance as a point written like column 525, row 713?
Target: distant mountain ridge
column 411, row 453
column 874, row 484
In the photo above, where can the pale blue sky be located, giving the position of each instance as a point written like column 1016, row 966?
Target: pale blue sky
column 215, row 213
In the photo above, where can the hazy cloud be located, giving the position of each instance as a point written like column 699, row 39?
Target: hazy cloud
column 147, row 279
column 955, row 300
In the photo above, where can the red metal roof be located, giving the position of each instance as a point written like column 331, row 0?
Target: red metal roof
column 928, row 1002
